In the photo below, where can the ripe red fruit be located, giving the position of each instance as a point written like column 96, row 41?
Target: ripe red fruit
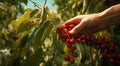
column 83, row 36
column 102, row 37
column 16, row 36
column 72, row 48
column 70, row 41
column 63, row 39
column 71, row 60
column 71, row 26
column 68, row 45
column 67, row 24
column 111, row 60
column 106, row 40
column 111, row 49
column 31, row 23
column 88, row 37
column 59, row 30
column 66, row 30
column 103, row 46
column 78, row 40
column 97, row 46
column 112, row 44
column 66, row 58
column 74, row 54
column 83, row 41
column 104, row 54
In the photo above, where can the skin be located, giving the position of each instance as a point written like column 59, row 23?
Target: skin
column 92, row 23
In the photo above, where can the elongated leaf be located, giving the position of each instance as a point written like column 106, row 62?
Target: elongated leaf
column 39, row 33
column 22, row 21
column 35, row 59
column 82, row 49
column 47, row 32
column 23, row 41
column 33, row 13
column 59, row 46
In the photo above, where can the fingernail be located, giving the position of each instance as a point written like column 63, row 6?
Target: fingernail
column 71, row 32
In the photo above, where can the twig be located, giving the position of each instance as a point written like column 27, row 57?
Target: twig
column 37, row 5
column 42, row 14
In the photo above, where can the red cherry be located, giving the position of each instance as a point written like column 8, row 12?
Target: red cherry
column 104, row 54
column 102, row 37
column 83, row 41
column 88, row 37
column 112, row 44
column 59, row 30
column 111, row 49
column 74, row 54
column 103, row 46
column 71, row 41
column 72, row 48
column 97, row 46
column 65, row 34
column 83, row 36
column 71, row 60
column 68, row 45
column 66, row 57
column 63, row 39
column 16, row 36
column 67, row 24
column 78, row 40
column 111, row 60
column 66, row 30
column 71, row 26
column 106, row 40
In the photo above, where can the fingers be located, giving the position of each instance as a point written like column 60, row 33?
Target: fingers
column 73, row 20
column 77, row 28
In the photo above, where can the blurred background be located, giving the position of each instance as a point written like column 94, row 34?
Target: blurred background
column 41, row 2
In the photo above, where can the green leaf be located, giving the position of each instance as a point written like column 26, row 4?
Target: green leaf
column 35, row 59
column 39, row 33
column 33, row 12
column 82, row 49
column 23, row 26
column 47, row 32
column 23, row 41
column 58, row 45
column 22, row 21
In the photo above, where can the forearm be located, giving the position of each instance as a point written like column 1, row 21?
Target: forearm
column 110, row 16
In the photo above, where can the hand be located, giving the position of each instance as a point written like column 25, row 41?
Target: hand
column 93, row 23
column 88, row 23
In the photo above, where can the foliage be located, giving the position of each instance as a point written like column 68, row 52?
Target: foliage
column 30, row 39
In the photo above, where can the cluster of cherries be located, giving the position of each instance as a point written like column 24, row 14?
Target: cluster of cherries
column 106, row 46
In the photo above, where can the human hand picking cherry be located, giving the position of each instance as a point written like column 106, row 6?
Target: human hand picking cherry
column 105, row 45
